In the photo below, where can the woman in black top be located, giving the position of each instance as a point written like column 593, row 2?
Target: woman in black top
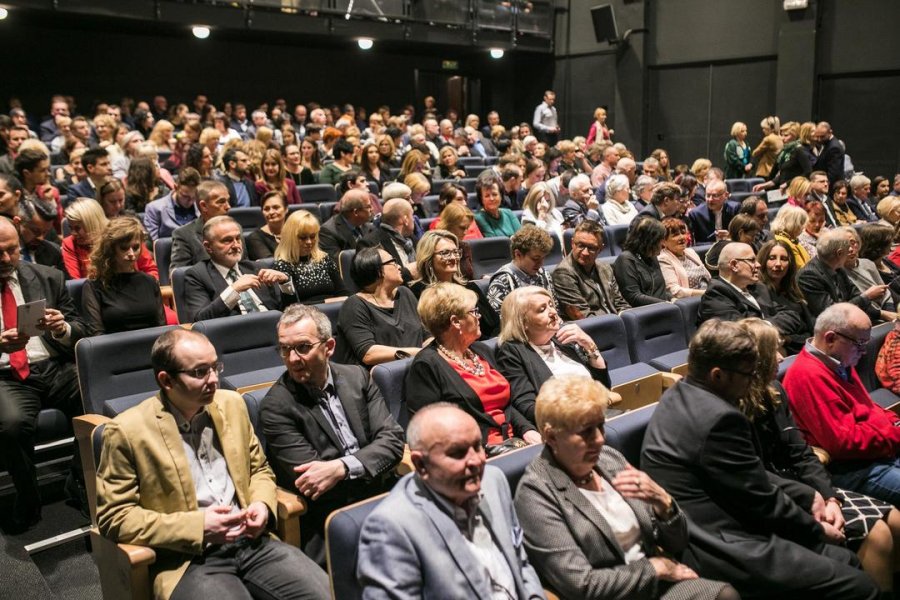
column 144, row 185
column 313, row 272
column 118, row 297
column 370, row 163
column 637, row 268
column 778, row 273
column 380, row 323
column 262, row 242
column 793, row 160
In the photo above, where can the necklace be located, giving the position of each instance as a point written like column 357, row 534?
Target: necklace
column 583, row 481
column 476, row 368
column 376, row 302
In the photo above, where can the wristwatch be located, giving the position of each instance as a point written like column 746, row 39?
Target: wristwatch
column 593, row 352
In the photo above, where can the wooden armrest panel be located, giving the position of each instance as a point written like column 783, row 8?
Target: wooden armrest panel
column 406, row 465
column 821, row 454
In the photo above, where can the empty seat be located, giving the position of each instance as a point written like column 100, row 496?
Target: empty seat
column 475, row 170
column 432, row 208
column 389, row 378
column 740, row 185
column 465, row 161
column 488, row 255
column 468, row 183
column 320, row 192
column 625, row 433
column 162, row 252
column 326, row 210
column 615, row 238
column 248, row 217
column 656, row 336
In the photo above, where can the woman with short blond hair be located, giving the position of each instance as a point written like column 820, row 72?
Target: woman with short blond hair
column 314, row 274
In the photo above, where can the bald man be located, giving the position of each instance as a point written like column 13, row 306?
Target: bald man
column 344, row 230
column 449, row 529
column 395, row 235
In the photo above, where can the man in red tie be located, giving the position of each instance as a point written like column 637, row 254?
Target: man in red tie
column 34, row 371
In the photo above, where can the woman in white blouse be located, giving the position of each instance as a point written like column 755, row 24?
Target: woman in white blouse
column 539, row 209
column 618, row 209
column 681, row 267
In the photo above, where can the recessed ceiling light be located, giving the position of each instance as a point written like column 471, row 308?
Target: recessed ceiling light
column 365, row 43
column 200, row 32
column 497, row 52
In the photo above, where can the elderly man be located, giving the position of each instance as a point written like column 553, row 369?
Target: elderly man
column 528, row 247
column 835, row 412
column 650, row 167
column 223, row 284
column 449, row 529
column 606, row 167
column 478, row 145
column 581, row 205
column 395, row 235
column 344, row 230
column 184, row 473
column 37, row 367
column 860, row 191
column 709, row 221
column 330, row 434
column 187, row 240
column 746, row 530
column 824, row 281
column 584, row 286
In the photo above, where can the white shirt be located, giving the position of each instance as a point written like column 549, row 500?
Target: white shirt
column 558, row 363
column 232, row 297
column 36, row 350
column 620, row 518
column 618, row 214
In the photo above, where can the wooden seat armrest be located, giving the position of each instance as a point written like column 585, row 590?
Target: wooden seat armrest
column 405, row 465
column 168, row 296
column 138, row 555
column 669, row 379
column 821, row 454
column 614, row 398
column 84, row 426
column 289, row 504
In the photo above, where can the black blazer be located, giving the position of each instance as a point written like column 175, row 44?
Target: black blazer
column 248, row 185
column 526, row 372
column 823, row 287
column 187, row 245
column 48, row 254
column 381, row 237
column 430, row 379
column 703, row 225
column 203, row 284
column 297, row 432
column 831, row 160
column 39, row 282
column 641, row 282
column 335, row 235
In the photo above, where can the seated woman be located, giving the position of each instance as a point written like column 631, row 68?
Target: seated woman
column 815, row 211
column 637, row 269
column 420, row 187
column 528, row 246
column 438, row 260
column 261, row 242
column 875, row 243
column 539, row 209
column 595, row 527
column 797, row 191
column 533, row 347
column 888, row 209
column 742, row 228
column 143, row 184
column 275, row 179
column 842, row 211
column 787, row 226
column 871, row 526
column 864, row 274
column 887, row 365
column 118, row 297
column 455, row 193
column 379, row 323
column 371, row 166
column 455, row 368
column 314, row 274
column 682, row 268
column 449, row 167
column 492, row 219
column 459, row 220
column 71, row 173
column 111, row 197
column 778, row 272
column 618, row 209
column 414, row 161
column 310, row 162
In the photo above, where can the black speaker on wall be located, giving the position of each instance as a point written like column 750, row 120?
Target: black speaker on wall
column 604, row 20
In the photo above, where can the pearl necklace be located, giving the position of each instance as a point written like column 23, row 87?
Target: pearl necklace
column 584, row 480
column 476, row 369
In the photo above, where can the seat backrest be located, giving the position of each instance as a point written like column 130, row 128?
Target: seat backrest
column 653, row 330
column 689, row 308
column 310, row 207
column 178, row 294
column 248, row 217
column 264, row 263
column 556, row 252
column 343, row 529
column 615, row 238
column 432, row 207
column 244, row 343
column 389, row 378
column 345, row 259
column 474, row 170
column 373, row 188
column 568, row 234
column 784, row 365
column 488, row 255
column 866, row 365
column 326, row 211
column 625, row 433
column 253, row 400
column 468, row 183
column 75, row 287
column 426, row 222
column 608, row 332
column 115, row 366
column 465, row 161
column 319, row 192
column 514, row 462
column 162, row 252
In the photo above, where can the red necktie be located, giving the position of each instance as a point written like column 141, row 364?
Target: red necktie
column 18, row 360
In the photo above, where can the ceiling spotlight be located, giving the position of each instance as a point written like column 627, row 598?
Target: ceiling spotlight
column 497, row 53
column 3, row 13
column 365, row 43
column 201, row 32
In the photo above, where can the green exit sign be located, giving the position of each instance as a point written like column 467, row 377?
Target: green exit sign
column 450, row 65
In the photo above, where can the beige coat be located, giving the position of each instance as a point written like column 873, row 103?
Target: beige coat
column 766, row 154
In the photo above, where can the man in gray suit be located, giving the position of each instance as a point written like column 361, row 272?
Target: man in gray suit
column 187, row 240
column 448, row 530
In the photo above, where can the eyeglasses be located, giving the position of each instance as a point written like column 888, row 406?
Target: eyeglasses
column 202, row 372
column 750, row 261
column 475, row 312
column 390, row 261
column 860, row 344
column 716, row 196
column 590, row 248
column 301, row 349
column 448, row 254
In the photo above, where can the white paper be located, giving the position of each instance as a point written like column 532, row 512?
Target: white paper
column 29, row 314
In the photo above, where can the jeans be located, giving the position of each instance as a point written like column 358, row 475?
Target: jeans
column 879, row 479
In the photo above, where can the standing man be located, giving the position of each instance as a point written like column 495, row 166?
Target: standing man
column 184, row 474
column 829, row 153
column 331, row 436
column 449, row 529
column 546, row 120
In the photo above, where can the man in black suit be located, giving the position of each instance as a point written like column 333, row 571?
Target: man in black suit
column 748, row 529
column 34, row 371
column 709, row 221
column 225, row 285
column 187, row 240
column 34, row 221
column 96, row 162
column 330, row 434
column 829, row 153
column 344, row 230
column 394, row 235
column 241, row 191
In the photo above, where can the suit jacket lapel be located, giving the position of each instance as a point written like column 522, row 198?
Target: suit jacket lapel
column 232, row 454
column 168, row 431
column 305, row 399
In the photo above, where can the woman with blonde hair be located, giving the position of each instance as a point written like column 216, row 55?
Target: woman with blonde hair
column 275, row 179
column 766, row 153
column 539, row 209
column 787, row 226
column 413, row 162
column 117, row 296
column 798, row 190
column 700, row 168
column 793, row 160
column 737, row 153
column 449, row 164
column 105, row 128
column 161, row 136
column 598, row 130
column 314, row 274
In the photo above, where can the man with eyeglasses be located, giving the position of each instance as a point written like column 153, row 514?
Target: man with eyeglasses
column 834, row 410
column 585, row 286
column 745, row 528
column 184, row 473
column 709, row 221
column 331, row 436
column 344, row 230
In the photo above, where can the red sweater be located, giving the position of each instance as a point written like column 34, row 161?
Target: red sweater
column 77, row 260
column 838, row 415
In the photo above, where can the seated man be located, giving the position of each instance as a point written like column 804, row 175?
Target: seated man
column 187, row 240
column 96, row 164
column 709, row 221
column 449, row 529
column 241, row 191
column 34, row 222
column 164, row 215
column 528, row 246
column 581, row 204
column 746, row 530
column 330, row 434
column 184, row 474
column 344, row 230
column 223, row 284
column 735, row 295
column 834, row 411
column 585, row 286
column 663, row 203
column 395, row 235
column 34, row 371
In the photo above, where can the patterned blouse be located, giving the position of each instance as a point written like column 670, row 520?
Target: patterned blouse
column 313, row 280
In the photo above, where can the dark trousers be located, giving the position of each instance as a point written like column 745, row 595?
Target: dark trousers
column 52, row 383
column 261, row 569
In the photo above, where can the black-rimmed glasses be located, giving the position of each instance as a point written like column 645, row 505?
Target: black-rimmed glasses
column 301, row 349
column 202, row 372
column 860, row 344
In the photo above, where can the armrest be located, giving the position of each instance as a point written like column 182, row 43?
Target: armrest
column 168, row 296
column 614, row 398
column 290, row 506
column 669, row 379
column 123, row 568
column 821, row 454
column 83, row 427
column 406, row 465
column 138, row 555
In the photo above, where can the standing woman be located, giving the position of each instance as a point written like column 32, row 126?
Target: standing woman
column 314, row 275
column 261, row 243
column 767, row 152
column 117, row 296
column 737, row 153
column 793, row 160
column 599, row 130
column 275, row 179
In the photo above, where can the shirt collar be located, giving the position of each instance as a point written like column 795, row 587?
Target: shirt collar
column 463, row 516
column 197, row 423
column 829, row 361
